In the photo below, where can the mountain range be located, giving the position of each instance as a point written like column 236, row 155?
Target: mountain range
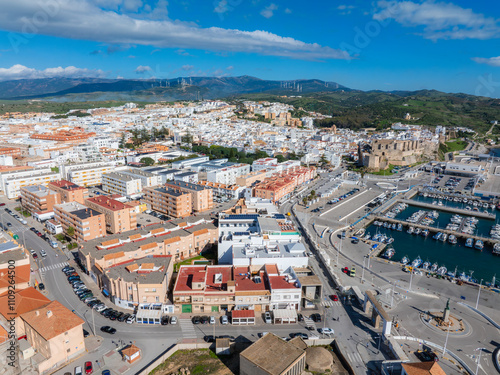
column 182, row 88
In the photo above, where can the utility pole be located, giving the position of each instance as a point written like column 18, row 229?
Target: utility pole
column 411, row 278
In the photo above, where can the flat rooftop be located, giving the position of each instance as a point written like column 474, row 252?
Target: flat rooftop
column 170, row 191
column 268, row 224
column 186, row 185
column 119, row 176
column 39, row 190
column 66, row 185
column 156, row 276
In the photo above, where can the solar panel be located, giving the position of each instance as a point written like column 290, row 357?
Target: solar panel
column 279, row 216
column 242, row 217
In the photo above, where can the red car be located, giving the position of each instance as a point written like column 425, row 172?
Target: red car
column 88, row 368
column 334, row 297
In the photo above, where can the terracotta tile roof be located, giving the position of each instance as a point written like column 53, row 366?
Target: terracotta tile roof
column 183, row 224
column 114, row 255
column 130, row 350
column 148, row 246
column 21, row 276
column 52, row 320
column 157, row 230
column 242, row 314
column 132, row 268
column 115, row 241
column 147, row 266
column 26, row 300
column 423, row 368
column 172, row 240
column 135, row 237
column 200, row 232
column 3, row 335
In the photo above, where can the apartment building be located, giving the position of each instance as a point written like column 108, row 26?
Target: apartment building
column 55, row 333
column 14, row 255
column 187, row 177
column 10, row 151
column 254, row 239
column 39, row 201
column 144, row 280
column 249, row 179
column 171, row 202
column 12, row 182
column 136, row 266
column 228, row 175
column 87, row 222
column 121, row 183
column 281, row 185
column 148, row 179
column 205, row 289
column 221, row 190
column 69, row 191
column 202, row 197
column 119, row 216
column 87, row 174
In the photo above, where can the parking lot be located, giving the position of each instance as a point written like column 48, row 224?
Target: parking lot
column 454, row 183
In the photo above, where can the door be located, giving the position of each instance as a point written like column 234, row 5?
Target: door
column 215, row 308
column 187, row 308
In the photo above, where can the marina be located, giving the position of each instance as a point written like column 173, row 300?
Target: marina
column 451, row 239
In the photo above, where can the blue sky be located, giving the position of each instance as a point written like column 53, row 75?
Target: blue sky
column 385, row 44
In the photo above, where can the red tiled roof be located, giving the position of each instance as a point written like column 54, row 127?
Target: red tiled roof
column 107, row 203
column 26, row 300
column 21, row 276
column 279, row 282
column 242, row 314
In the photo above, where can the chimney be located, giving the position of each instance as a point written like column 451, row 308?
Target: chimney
column 37, row 313
column 49, row 313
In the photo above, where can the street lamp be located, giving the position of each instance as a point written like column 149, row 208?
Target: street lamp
column 479, row 359
column 478, row 293
column 446, row 341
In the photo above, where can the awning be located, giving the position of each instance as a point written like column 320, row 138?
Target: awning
column 105, row 292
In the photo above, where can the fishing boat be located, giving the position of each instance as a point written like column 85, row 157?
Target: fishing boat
column 463, row 276
column 479, row 245
column 425, row 232
column 469, row 242
column 389, row 253
column 417, row 231
column 386, row 224
column 496, row 249
column 368, row 236
column 443, row 237
column 426, row 265
column 452, row 239
column 400, row 227
column 405, row 260
column 410, row 230
column 389, row 240
column 416, row 263
column 442, row 271
column 437, row 236
column 434, row 267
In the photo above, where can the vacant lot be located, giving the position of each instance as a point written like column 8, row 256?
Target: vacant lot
column 199, row 361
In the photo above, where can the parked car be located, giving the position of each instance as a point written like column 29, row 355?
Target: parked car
column 108, row 329
column 131, row 319
column 299, row 334
column 124, row 317
column 196, row 320
column 205, row 319
column 41, row 286
column 212, row 320
column 43, row 253
column 267, row 317
column 224, row 319
column 86, row 333
column 334, row 297
column 68, row 268
column 164, row 320
column 316, row 317
column 300, row 317
column 78, row 370
column 73, row 278
column 173, row 320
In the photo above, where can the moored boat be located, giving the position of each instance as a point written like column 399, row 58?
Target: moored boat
column 469, row 242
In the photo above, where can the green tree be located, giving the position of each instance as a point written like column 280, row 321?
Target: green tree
column 304, row 200
column 147, row 161
column 70, row 231
column 280, row 158
column 122, row 141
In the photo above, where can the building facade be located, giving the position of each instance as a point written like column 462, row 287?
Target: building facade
column 119, row 216
column 201, row 197
column 169, row 201
column 86, row 222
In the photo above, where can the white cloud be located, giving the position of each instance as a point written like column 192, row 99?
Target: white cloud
column 187, row 67
column 221, row 7
column 288, row 11
column 142, row 69
column 492, row 61
column 440, row 20
column 81, row 19
column 22, row 72
column 268, row 11
column 230, row 67
column 344, row 7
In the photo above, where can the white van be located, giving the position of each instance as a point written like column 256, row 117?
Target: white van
column 54, row 244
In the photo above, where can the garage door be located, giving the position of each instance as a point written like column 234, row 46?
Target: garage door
column 215, row 308
column 187, row 308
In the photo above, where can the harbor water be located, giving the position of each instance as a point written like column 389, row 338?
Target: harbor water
column 475, row 263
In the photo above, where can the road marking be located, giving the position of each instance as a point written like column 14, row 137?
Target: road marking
column 330, row 303
column 365, row 205
column 187, row 328
column 345, row 201
column 53, row 267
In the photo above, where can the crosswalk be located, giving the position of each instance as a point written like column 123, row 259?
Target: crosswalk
column 187, row 328
column 354, row 357
column 330, row 303
column 309, row 323
column 54, row 267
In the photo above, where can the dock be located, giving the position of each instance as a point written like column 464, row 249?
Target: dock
column 453, row 210
column 486, row 240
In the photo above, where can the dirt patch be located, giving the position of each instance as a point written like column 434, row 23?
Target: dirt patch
column 199, row 362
